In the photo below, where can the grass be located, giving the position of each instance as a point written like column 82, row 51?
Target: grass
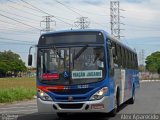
column 16, row 89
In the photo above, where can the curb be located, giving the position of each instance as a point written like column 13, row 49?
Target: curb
column 142, row 81
column 34, row 96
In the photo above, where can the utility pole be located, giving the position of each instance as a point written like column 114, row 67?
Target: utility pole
column 142, row 60
column 47, row 20
column 82, row 22
column 143, row 55
column 115, row 19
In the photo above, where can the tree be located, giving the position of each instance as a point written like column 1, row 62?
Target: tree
column 153, row 62
column 11, row 62
column 3, row 69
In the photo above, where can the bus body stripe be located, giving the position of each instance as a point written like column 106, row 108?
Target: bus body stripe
column 123, row 84
column 48, row 88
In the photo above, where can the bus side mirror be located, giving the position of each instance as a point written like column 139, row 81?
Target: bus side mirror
column 29, row 60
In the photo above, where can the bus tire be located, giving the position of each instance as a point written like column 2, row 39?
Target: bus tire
column 132, row 99
column 116, row 105
column 62, row 115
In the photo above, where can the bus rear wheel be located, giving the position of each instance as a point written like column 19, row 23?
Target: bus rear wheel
column 132, row 100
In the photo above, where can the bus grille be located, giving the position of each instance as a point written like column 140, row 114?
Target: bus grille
column 71, row 91
column 71, row 106
column 75, row 99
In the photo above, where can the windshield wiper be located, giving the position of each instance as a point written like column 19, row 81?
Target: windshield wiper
column 80, row 52
column 57, row 52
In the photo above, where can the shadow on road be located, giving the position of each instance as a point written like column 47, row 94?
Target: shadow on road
column 89, row 116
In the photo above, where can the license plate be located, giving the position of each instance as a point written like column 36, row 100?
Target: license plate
column 97, row 106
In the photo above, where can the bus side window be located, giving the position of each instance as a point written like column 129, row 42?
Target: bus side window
column 126, row 58
column 128, row 62
column 108, row 53
column 110, row 58
column 123, row 57
column 119, row 55
column 132, row 65
column 115, row 57
column 136, row 61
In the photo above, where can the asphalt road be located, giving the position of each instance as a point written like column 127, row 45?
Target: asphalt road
column 147, row 102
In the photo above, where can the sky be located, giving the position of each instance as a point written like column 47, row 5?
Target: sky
column 20, row 21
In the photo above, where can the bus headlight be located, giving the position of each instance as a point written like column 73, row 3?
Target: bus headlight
column 44, row 96
column 99, row 94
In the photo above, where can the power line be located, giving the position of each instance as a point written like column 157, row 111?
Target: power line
column 6, row 22
column 58, row 17
column 82, row 22
column 36, row 8
column 11, row 1
column 64, row 18
column 23, row 5
column 12, row 28
column 68, row 7
column 139, row 29
column 19, row 21
column 39, row 10
column 15, row 32
column 32, row 8
column 18, row 15
column 140, row 26
column 23, row 11
column 15, row 43
column 100, row 24
column 9, row 39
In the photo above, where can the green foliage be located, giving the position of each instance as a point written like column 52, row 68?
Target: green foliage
column 16, row 94
column 17, row 89
column 11, row 62
column 153, row 62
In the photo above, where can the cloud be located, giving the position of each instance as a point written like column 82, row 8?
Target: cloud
column 136, row 1
column 3, row 1
column 93, row 2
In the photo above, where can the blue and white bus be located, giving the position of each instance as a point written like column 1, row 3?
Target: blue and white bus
column 83, row 71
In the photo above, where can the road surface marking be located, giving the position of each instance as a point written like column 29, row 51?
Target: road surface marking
column 18, row 107
column 33, row 110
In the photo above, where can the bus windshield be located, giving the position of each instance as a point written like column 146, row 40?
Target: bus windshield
column 71, row 65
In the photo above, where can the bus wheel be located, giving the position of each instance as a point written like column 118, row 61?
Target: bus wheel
column 116, row 106
column 62, row 115
column 131, row 100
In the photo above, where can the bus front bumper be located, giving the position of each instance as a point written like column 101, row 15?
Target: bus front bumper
column 100, row 106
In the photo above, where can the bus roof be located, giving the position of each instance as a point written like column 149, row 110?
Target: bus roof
column 107, row 35
column 74, row 30
column 120, row 43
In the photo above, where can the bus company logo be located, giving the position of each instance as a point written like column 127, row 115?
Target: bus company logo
column 70, row 98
